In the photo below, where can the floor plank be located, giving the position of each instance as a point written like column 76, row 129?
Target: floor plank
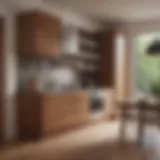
column 100, row 141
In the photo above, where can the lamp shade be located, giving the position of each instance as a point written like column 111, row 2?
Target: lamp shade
column 154, row 48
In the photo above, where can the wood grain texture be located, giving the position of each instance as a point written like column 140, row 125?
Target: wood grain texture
column 38, row 35
column 106, row 48
column 29, row 115
column 113, row 66
column 99, row 141
column 40, row 115
column 64, row 111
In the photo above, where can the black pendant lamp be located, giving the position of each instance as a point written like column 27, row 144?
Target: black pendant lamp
column 154, row 48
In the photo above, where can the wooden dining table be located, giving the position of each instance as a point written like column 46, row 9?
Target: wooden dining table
column 143, row 112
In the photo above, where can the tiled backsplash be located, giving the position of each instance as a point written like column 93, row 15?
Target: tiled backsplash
column 49, row 75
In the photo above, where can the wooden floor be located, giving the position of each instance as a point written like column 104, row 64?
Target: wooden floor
column 98, row 142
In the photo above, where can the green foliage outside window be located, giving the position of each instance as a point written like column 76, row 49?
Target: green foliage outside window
column 147, row 68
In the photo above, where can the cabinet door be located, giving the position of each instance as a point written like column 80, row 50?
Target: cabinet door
column 61, row 112
column 28, row 115
column 106, row 67
column 38, row 34
column 47, row 36
column 26, row 34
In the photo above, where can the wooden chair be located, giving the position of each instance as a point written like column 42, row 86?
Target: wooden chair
column 142, row 111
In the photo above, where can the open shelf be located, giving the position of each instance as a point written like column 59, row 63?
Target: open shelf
column 82, row 56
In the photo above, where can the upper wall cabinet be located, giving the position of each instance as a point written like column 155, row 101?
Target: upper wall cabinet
column 38, row 35
column 112, row 47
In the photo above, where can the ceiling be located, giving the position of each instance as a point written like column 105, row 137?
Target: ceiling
column 114, row 10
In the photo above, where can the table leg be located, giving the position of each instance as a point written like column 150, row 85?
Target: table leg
column 141, row 126
column 123, row 125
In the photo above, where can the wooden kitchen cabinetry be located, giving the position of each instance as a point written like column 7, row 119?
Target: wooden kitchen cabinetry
column 112, row 66
column 41, row 115
column 106, row 66
column 38, row 34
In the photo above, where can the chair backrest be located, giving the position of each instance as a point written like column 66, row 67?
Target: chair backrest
column 150, row 110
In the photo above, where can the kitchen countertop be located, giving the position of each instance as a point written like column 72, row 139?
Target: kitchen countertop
column 99, row 91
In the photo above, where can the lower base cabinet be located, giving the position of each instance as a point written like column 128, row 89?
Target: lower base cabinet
column 41, row 115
